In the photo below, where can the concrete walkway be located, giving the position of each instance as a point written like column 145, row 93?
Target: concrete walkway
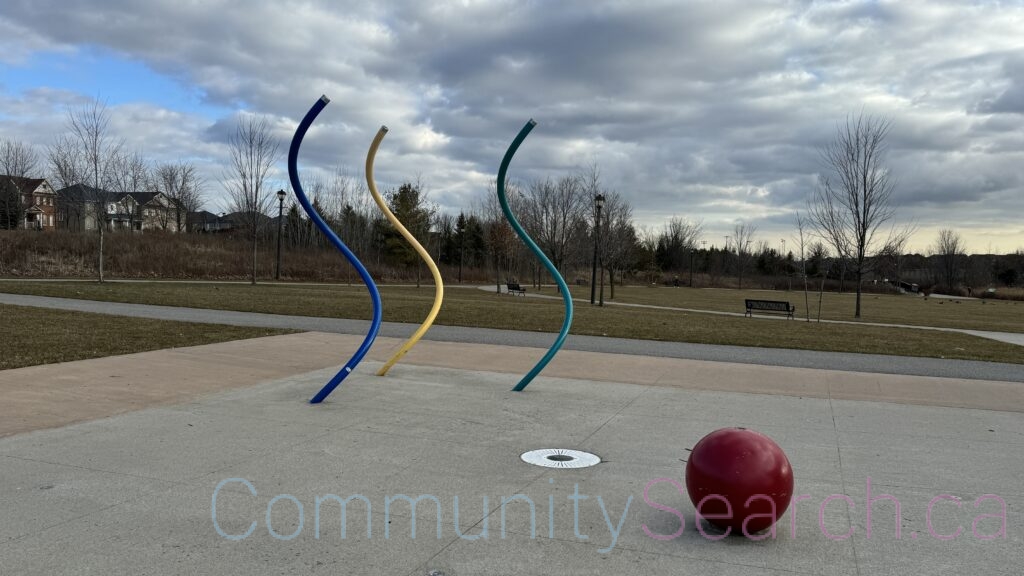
column 213, row 463
column 54, row 395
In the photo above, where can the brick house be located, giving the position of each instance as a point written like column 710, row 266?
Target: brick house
column 28, row 203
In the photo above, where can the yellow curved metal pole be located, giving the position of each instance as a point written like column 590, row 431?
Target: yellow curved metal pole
column 439, row 293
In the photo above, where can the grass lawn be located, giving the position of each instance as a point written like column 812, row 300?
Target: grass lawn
column 34, row 336
column 994, row 315
column 471, row 307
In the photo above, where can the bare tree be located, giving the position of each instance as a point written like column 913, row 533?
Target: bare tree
column 339, row 190
column 618, row 237
column 65, row 162
column 89, row 128
column 67, row 168
column 890, row 257
column 497, row 234
column 818, row 257
column 853, row 198
column 647, row 241
column 951, row 253
column 19, row 160
column 555, row 211
column 129, row 174
column 743, row 235
column 253, row 152
column 183, row 187
column 678, row 238
column 445, row 227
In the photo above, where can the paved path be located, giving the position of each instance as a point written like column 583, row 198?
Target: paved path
column 215, row 481
column 1009, row 337
column 870, row 363
column 55, row 395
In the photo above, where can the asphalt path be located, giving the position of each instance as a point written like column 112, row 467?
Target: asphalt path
column 844, row 361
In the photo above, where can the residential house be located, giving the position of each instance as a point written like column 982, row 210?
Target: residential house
column 28, row 203
column 245, row 220
column 156, row 211
column 235, row 222
column 207, row 222
column 137, row 211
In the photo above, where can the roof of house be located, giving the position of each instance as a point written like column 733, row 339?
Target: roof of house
column 244, row 217
column 86, row 193
column 143, row 198
column 25, row 185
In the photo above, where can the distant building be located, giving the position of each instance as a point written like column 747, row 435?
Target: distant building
column 78, row 206
column 207, row 222
column 28, row 203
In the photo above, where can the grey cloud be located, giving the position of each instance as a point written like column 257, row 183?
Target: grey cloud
column 703, row 109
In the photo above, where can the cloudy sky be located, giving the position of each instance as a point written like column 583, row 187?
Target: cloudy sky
column 707, row 110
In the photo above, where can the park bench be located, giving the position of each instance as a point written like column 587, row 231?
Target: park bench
column 514, row 288
column 770, row 306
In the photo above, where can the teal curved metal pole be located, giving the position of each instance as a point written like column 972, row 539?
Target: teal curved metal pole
column 293, row 175
column 503, row 200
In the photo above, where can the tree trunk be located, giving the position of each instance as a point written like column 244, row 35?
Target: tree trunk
column 821, row 292
column 611, row 283
column 860, row 275
column 99, row 263
column 254, row 237
column 807, row 302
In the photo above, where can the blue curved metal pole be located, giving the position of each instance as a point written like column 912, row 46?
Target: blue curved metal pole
column 540, row 254
column 293, row 175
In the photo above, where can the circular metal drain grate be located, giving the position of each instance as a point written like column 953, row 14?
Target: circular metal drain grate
column 560, row 458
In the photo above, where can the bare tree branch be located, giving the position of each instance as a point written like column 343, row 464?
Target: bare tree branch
column 253, row 152
column 854, row 197
column 89, row 128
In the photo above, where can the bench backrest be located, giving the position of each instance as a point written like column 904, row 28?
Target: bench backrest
column 768, row 305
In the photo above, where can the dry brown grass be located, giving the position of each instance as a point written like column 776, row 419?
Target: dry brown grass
column 33, row 336
column 154, row 254
column 970, row 314
column 471, row 307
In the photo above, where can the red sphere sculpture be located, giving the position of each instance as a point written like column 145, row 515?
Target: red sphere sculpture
column 745, row 469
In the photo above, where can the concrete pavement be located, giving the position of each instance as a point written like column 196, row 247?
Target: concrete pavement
column 54, row 395
column 230, row 471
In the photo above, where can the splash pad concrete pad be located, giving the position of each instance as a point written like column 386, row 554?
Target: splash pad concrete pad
column 134, row 492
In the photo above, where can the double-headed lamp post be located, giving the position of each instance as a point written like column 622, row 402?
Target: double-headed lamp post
column 598, row 204
column 281, row 194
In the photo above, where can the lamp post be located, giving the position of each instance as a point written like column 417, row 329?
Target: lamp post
column 598, row 204
column 691, row 264
column 705, row 255
column 280, row 220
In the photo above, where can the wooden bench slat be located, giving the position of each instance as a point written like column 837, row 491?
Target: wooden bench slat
column 770, row 306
